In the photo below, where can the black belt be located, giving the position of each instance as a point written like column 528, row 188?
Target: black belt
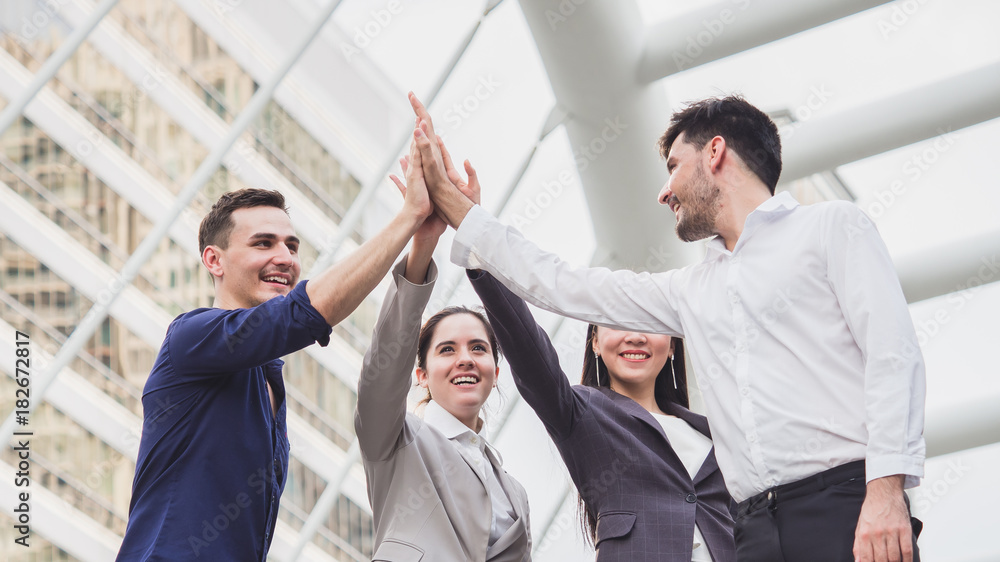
column 769, row 498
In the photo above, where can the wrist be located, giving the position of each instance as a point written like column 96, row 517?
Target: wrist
column 410, row 219
column 886, row 487
column 457, row 209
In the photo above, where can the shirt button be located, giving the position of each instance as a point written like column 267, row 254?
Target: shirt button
column 742, row 348
column 734, row 298
column 736, row 260
column 691, row 498
column 475, row 440
column 753, row 438
column 745, row 391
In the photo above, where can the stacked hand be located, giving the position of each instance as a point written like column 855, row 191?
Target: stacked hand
column 434, row 189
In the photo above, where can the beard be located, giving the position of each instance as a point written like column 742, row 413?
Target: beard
column 699, row 212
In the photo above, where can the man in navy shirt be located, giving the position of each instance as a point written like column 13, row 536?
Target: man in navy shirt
column 214, row 449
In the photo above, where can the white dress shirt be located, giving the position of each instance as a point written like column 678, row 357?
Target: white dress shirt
column 692, row 448
column 800, row 338
column 472, row 447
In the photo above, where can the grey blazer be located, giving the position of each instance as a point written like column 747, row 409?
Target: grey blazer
column 427, row 501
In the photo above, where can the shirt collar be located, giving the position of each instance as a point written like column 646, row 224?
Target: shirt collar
column 442, row 420
column 770, row 209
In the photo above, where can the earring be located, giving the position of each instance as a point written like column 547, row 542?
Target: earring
column 597, row 367
column 673, row 372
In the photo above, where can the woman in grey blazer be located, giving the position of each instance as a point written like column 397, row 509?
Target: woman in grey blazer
column 437, row 489
column 644, row 465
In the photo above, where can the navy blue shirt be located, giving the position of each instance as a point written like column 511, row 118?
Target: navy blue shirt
column 213, row 455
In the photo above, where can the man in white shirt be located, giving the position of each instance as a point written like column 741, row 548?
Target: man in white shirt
column 795, row 322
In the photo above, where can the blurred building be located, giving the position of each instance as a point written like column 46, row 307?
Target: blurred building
column 103, row 226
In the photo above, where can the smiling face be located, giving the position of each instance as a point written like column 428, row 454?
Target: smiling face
column 690, row 193
column 632, row 359
column 459, row 368
column 260, row 262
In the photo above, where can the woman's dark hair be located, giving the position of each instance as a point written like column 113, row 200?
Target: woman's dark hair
column 429, row 327
column 663, row 391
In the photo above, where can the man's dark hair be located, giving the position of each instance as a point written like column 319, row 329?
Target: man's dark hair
column 218, row 223
column 748, row 131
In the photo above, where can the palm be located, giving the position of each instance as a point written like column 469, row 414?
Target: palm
column 433, row 226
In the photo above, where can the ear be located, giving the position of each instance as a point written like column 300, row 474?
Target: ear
column 421, row 377
column 593, row 343
column 671, row 348
column 212, row 259
column 716, row 153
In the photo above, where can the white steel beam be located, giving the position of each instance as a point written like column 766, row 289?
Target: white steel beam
column 356, row 125
column 973, row 423
column 967, row 264
column 85, row 404
column 828, row 141
column 184, row 107
column 53, row 63
column 729, row 27
column 590, row 57
column 60, row 523
column 75, row 264
column 131, row 182
column 97, row 152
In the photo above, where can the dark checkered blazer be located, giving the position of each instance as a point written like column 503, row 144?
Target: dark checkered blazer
column 616, row 452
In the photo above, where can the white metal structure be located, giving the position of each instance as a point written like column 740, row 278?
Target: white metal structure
column 610, row 72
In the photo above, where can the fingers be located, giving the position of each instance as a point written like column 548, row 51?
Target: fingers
column 423, row 116
column 862, row 551
column 906, row 545
column 404, row 163
column 418, row 108
column 400, row 185
column 449, row 166
column 433, row 172
column 475, row 191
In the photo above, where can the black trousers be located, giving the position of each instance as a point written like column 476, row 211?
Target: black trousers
column 811, row 520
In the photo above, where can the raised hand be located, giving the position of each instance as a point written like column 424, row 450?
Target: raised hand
column 416, row 198
column 430, row 230
column 469, row 188
column 433, row 226
column 451, row 202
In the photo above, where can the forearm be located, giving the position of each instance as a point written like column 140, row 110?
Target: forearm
column 419, row 259
column 622, row 299
column 339, row 290
column 386, row 372
column 451, row 203
column 534, row 363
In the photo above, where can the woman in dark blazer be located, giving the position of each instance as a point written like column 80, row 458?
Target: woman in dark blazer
column 641, row 461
